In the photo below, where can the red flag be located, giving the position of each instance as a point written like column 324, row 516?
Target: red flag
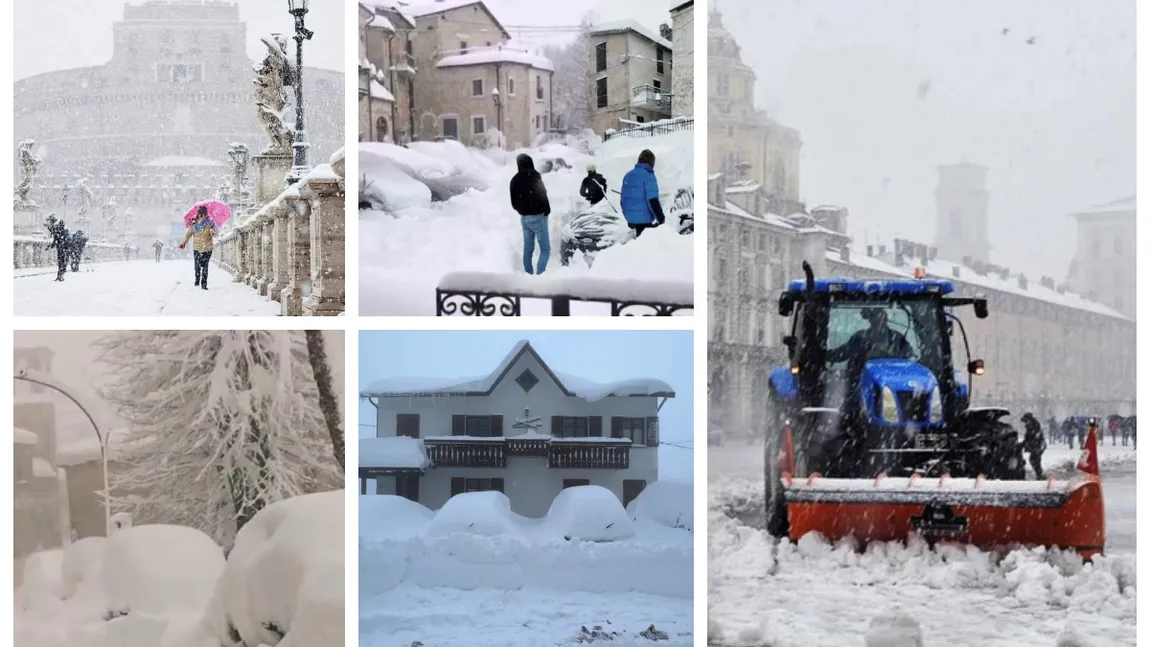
column 1088, row 462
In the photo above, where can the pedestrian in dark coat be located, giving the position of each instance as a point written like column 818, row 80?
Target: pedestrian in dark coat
column 529, row 200
column 594, row 187
column 1068, row 431
column 61, row 242
column 76, row 248
column 159, row 247
column 1034, row 443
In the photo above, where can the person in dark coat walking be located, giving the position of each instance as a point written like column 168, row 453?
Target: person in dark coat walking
column 1034, row 443
column 159, row 247
column 61, row 242
column 1068, row 431
column 594, row 187
column 639, row 195
column 76, row 248
column 529, row 200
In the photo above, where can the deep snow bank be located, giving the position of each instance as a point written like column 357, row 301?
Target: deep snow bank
column 477, row 542
column 284, row 576
column 160, row 569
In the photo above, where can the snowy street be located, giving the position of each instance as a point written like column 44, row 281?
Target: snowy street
column 135, row 288
column 766, row 592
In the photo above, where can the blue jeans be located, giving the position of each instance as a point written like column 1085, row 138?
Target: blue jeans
column 535, row 227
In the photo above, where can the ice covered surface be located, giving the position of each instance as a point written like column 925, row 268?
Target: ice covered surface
column 284, row 575
column 137, row 288
column 160, row 570
column 586, row 389
column 588, row 512
column 405, row 251
column 1027, row 598
column 392, row 451
column 666, row 503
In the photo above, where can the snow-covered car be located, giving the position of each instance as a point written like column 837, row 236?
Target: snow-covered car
column 602, row 226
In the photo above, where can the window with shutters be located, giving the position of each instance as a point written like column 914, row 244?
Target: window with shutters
column 575, row 427
column 407, row 424
column 632, row 488
column 478, row 426
column 633, row 428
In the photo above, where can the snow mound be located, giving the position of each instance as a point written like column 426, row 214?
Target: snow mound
column 41, row 580
column 461, row 158
column 894, row 630
column 82, row 564
column 667, row 503
column 160, row 570
column 589, row 512
column 393, row 452
column 387, row 516
column 387, row 187
column 479, row 513
column 280, row 571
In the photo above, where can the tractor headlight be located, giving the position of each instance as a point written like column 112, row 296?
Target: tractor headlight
column 935, row 405
column 889, row 405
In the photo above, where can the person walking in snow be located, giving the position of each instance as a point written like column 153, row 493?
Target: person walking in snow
column 202, row 233
column 61, row 242
column 76, row 248
column 529, row 200
column 1068, row 431
column 594, row 187
column 127, row 252
column 639, row 195
column 159, row 247
column 1034, row 443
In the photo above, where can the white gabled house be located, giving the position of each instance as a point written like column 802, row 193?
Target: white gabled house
column 523, row 429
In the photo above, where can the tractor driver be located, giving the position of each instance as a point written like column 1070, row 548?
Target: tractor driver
column 874, row 342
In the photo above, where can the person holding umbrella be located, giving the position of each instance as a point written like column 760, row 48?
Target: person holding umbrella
column 202, row 230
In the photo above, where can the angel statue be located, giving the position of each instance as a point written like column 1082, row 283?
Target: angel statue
column 272, row 74
column 86, row 199
column 238, row 154
column 224, row 191
column 110, row 215
column 29, row 164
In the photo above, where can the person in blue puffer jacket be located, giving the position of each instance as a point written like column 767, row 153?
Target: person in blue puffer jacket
column 639, row 195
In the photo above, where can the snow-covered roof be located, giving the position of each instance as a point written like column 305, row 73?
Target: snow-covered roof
column 87, row 449
column 945, row 270
column 425, row 9
column 381, row 21
column 387, row 5
column 380, row 92
column 496, row 54
column 484, row 385
column 173, row 161
column 396, row 452
column 25, row 437
column 620, row 26
column 676, row 5
column 43, row 468
column 1123, row 205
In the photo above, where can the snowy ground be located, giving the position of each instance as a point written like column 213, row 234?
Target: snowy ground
column 406, row 249
column 475, row 574
column 136, row 288
column 766, row 592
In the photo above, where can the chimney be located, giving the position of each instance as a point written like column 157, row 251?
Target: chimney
column 898, row 259
column 1062, row 287
column 1004, row 272
column 845, row 252
column 870, row 250
column 955, row 271
column 882, row 250
column 1047, row 282
column 1022, row 283
column 968, row 261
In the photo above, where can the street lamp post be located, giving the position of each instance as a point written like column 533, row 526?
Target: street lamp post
column 298, row 8
column 103, row 438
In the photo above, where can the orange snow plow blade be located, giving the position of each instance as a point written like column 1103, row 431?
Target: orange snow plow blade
column 986, row 514
column 1067, row 514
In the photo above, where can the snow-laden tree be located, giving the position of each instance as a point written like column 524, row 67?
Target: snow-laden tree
column 574, row 82
column 220, row 425
column 328, row 406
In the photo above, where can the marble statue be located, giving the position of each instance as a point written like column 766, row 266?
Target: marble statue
column 272, row 74
column 240, row 193
column 86, row 200
column 29, row 165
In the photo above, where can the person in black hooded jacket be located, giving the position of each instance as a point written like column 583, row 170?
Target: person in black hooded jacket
column 61, row 242
column 594, row 186
column 76, row 250
column 529, row 200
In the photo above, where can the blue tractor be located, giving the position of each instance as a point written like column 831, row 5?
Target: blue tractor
column 871, row 389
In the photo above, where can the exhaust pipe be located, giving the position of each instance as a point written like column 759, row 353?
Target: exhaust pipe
column 810, row 274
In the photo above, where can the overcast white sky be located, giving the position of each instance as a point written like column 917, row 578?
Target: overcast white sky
column 883, row 92
column 75, row 365
column 57, row 35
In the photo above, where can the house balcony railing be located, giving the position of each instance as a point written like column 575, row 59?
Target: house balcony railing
column 578, row 454
column 651, row 98
column 654, row 129
column 404, row 63
column 527, row 447
column 466, row 453
column 484, row 294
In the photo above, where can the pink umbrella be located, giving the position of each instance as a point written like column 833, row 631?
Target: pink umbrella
column 218, row 212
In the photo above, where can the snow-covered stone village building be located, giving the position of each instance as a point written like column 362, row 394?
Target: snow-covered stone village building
column 386, row 73
column 523, row 429
column 683, row 46
column 1047, row 349
column 632, row 71
column 151, row 127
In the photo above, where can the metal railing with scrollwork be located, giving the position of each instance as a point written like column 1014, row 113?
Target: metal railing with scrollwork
column 477, row 294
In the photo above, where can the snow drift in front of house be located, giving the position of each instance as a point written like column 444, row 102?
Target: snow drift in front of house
column 665, row 503
column 588, row 512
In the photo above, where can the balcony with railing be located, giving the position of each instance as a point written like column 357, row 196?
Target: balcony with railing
column 466, row 452
column 536, row 447
column 404, row 63
column 651, row 98
column 589, row 453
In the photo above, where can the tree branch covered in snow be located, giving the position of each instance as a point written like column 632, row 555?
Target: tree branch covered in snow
column 321, row 370
column 574, row 78
column 220, row 424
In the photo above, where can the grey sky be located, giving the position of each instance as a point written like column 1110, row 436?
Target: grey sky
column 519, row 16
column 57, row 35
column 75, row 365
column 883, row 92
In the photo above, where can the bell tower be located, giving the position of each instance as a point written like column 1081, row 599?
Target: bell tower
column 962, row 219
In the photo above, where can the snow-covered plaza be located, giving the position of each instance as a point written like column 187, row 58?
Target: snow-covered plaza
column 437, row 214
column 763, row 591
